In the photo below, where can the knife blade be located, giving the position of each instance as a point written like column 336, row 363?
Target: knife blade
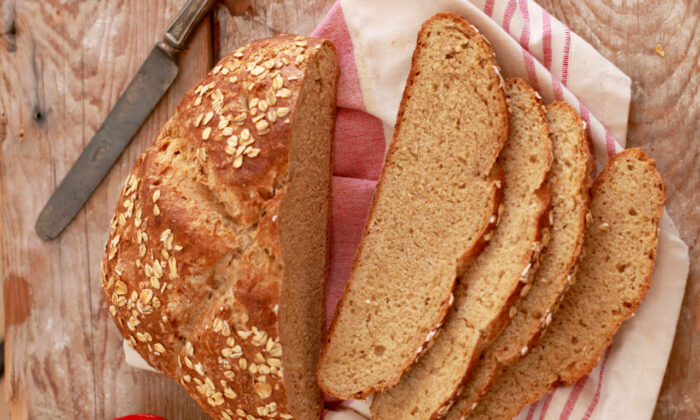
column 137, row 102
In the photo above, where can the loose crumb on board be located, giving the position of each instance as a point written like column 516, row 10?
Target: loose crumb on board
column 660, row 50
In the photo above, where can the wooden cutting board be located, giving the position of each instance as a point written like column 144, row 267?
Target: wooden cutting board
column 64, row 63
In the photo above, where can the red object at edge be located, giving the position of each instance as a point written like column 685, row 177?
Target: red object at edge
column 140, row 417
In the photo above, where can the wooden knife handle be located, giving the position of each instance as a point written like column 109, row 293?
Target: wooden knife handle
column 184, row 23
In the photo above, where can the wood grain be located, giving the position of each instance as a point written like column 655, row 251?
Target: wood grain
column 63, row 65
column 241, row 21
column 665, row 122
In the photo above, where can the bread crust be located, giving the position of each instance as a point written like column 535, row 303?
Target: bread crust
column 500, row 322
column 587, row 185
column 469, row 255
column 570, row 378
column 572, row 264
column 414, row 384
column 496, row 366
column 193, row 267
column 568, row 370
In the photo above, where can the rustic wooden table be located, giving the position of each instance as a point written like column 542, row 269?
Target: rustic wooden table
column 64, row 63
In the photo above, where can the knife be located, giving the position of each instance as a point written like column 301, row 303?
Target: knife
column 146, row 88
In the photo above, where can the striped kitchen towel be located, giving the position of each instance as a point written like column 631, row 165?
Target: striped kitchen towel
column 375, row 41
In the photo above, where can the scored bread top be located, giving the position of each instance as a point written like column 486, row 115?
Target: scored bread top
column 193, row 269
column 570, row 179
column 487, row 292
column 614, row 275
column 435, row 199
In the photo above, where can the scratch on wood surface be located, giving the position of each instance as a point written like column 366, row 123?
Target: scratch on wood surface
column 37, row 71
column 3, row 126
column 20, row 132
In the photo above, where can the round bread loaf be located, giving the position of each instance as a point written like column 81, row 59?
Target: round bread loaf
column 217, row 254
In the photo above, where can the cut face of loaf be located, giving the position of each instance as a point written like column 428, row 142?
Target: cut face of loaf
column 217, row 256
column 487, row 292
column 435, row 200
column 613, row 277
column 570, row 179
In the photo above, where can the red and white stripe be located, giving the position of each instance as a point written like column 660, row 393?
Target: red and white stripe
column 550, row 57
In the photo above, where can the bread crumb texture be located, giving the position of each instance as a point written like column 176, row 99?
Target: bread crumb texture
column 613, row 277
column 498, row 278
column 570, row 179
column 435, row 202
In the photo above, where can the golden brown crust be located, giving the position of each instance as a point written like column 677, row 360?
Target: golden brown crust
column 500, row 322
column 495, row 175
column 487, row 374
column 448, row 410
column 627, row 200
column 582, row 139
column 498, row 180
column 199, row 210
column 576, row 256
column 431, row 386
column 541, row 238
column 497, row 199
column 571, row 377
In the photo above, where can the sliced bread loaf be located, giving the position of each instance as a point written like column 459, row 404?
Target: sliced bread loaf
column 436, row 199
column 218, row 248
column 495, row 281
column 570, row 180
column 613, row 277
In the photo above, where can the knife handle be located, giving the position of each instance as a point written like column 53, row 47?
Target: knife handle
column 184, row 23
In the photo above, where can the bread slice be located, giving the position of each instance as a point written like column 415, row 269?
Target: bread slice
column 436, row 199
column 613, row 277
column 570, row 179
column 496, row 280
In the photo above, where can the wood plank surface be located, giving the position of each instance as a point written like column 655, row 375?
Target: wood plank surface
column 63, row 64
column 665, row 122
column 241, row 21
